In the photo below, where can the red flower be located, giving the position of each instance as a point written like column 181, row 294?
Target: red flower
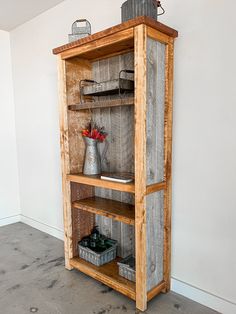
column 95, row 133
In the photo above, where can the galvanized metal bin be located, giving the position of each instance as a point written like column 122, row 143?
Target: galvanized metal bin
column 117, row 86
column 133, row 8
column 80, row 29
column 127, row 268
column 98, row 259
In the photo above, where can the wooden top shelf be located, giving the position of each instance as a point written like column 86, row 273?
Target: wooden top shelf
column 103, row 104
column 107, row 274
column 98, row 182
column 119, row 28
column 109, row 208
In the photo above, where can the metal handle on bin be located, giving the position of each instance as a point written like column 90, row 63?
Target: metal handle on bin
column 81, row 87
column 160, row 6
column 81, row 21
column 124, row 71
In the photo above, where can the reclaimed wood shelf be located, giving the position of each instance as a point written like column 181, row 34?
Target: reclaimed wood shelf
column 139, row 129
column 107, row 274
column 109, row 208
column 103, row 104
column 98, row 182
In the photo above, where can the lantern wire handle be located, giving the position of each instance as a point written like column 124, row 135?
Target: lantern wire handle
column 160, row 6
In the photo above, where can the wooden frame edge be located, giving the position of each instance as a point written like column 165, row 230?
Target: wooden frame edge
column 156, row 187
column 140, row 39
column 168, row 162
column 117, row 28
column 104, row 279
column 109, row 40
column 156, row 290
column 157, row 35
column 65, row 163
column 130, row 188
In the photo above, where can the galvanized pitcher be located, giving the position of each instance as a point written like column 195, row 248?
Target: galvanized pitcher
column 92, row 162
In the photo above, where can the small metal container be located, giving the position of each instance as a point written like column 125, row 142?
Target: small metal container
column 133, row 8
column 127, row 268
column 80, row 29
column 96, row 258
column 117, row 86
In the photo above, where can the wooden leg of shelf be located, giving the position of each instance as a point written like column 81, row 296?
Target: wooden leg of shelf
column 168, row 164
column 140, row 166
column 68, row 245
column 166, row 288
column 68, row 266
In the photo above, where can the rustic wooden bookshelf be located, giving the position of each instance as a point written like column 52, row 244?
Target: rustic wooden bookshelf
column 137, row 214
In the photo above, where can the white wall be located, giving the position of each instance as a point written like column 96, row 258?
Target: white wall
column 9, row 192
column 204, row 168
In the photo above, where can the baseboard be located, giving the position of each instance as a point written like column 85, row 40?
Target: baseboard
column 53, row 231
column 9, row 220
column 203, row 297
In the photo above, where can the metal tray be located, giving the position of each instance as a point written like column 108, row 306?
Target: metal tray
column 117, row 86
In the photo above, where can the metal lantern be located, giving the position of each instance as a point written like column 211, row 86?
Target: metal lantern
column 80, row 29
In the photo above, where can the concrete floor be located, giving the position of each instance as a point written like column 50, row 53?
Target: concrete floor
column 33, row 280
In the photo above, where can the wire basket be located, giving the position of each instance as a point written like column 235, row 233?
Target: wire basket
column 100, row 258
column 127, row 268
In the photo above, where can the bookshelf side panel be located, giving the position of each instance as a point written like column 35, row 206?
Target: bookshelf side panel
column 155, row 110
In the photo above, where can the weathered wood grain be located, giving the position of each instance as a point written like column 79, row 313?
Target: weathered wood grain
column 155, row 238
column 157, row 35
column 109, row 208
column 155, row 187
column 126, row 101
column 168, row 162
column 116, row 120
column 118, row 28
column 140, row 42
column 82, row 222
column 65, row 164
column 109, row 44
column 107, row 274
column 156, row 290
column 76, row 69
column 155, row 159
column 155, row 111
column 97, row 182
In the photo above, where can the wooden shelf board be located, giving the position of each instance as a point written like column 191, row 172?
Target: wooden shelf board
column 116, row 29
column 156, row 290
column 108, row 274
column 155, row 187
column 95, row 180
column 109, row 208
column 103, row 104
